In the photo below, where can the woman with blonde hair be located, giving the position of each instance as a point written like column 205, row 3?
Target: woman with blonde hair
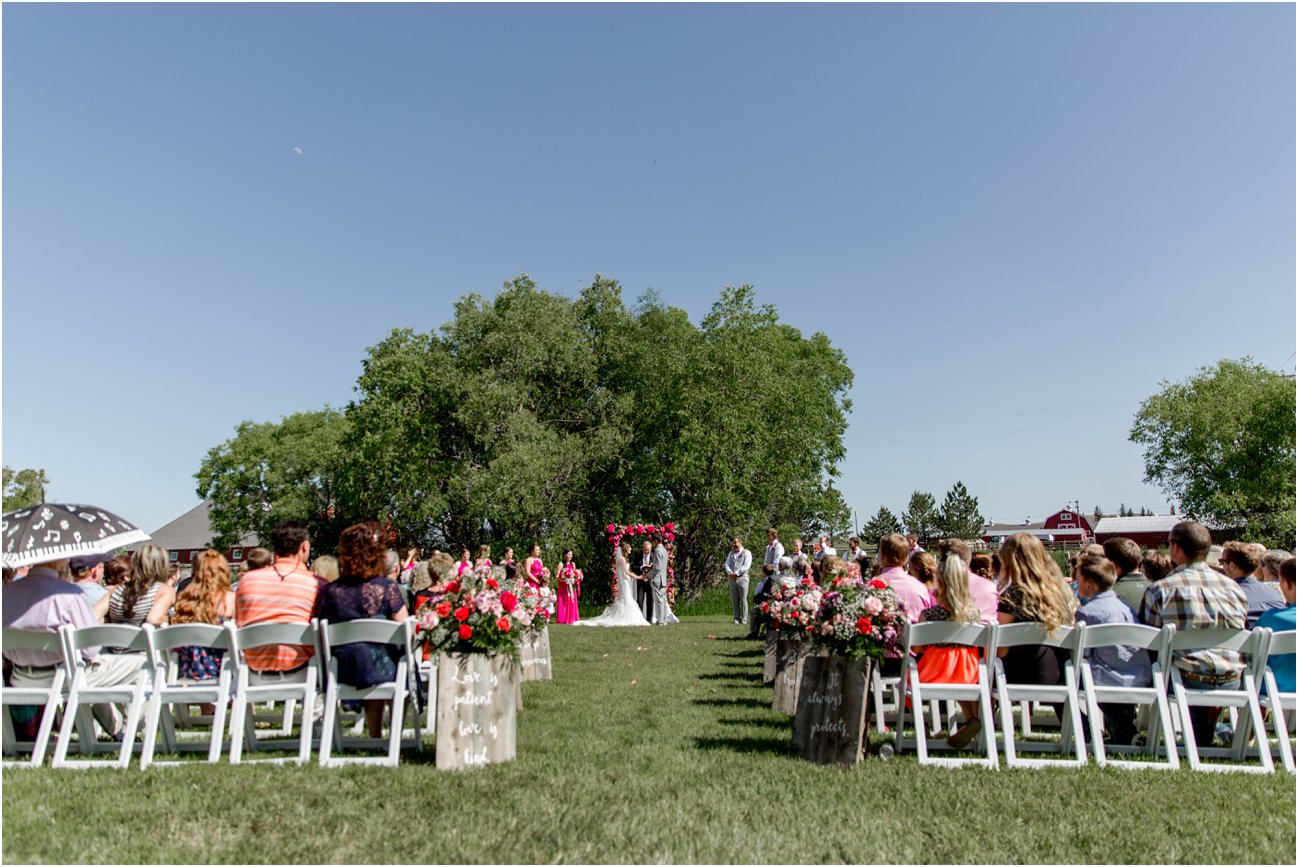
column 206, row 599
column 1035, row 592
column 325, row 568
column 923, row 568
column 952, row 663
column 146, row 597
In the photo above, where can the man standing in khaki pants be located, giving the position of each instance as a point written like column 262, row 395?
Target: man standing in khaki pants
column 738, row 562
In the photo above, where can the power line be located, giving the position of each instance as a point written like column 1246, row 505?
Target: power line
column 996, row 415
column 996, row 432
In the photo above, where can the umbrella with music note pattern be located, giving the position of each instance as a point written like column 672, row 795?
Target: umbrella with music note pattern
column 55, row 531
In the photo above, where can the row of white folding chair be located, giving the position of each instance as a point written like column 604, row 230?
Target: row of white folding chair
column 1282, row 705
column 158, row 686
column 1079, row 639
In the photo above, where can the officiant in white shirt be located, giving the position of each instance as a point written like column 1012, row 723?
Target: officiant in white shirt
column 738, row 562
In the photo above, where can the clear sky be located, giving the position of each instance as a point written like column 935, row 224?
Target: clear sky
column 1016, row 220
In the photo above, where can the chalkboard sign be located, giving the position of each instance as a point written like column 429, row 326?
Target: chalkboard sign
column 535, row 655
column 477, row 708
column 789, row 654
column 829, row 726
column 768, row 662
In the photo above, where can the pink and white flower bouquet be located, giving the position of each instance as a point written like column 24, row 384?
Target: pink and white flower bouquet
column 857, row 618
column 475, row 612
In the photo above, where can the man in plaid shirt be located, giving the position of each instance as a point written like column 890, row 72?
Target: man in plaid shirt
column 1196, row 596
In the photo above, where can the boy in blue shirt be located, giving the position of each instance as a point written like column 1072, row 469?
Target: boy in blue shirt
column 1111, row 666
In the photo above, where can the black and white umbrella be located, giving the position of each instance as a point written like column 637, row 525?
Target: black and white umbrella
column 56, row 531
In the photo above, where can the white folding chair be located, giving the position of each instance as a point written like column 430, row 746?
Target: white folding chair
column 1279, row 703
column 49, row 698
column 398, row 635
column 242, row 728
column 1068, row 638
column 169, row 688
column 978, row 635
column 1251, row 644
column 81, row 695
column 1155, row 642
column 885, row 708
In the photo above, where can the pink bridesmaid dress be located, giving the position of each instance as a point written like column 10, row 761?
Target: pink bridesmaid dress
column 566, row 597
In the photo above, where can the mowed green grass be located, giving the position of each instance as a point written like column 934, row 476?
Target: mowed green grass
column 654, row 744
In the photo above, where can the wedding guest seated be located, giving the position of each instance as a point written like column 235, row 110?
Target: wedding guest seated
column 1111, row 666
column 980, row 564
column 325, row 567
column 981, row 590
column 785, row 576
column 1035, row 592
column 915, row 597
column 1282, row 620
column 1240, row 562
column 1155, row 566
column 361, row 592
column 258, row 558
column 88, row 574
column 207, row 599
column 1130, row 587
column 43, row 601
column 923, row 568
column 283, row 592
column 147, row 595
column 952, row 663
column 1271, row 560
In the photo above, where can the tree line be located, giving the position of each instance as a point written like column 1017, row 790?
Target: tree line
column 957, row 518
column 532, row 417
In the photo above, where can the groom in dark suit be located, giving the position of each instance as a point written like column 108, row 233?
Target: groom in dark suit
column 643, row 595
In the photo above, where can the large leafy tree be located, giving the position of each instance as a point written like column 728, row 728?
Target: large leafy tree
column 1221, row 443
column 531, row 417
column 959, row 517
column 276, row 471
column 23, row 488
column 921, row 516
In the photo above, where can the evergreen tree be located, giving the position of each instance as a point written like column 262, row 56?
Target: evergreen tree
column 1098, row 513
column 959, row 517
column 883, row 523
column 921, row 516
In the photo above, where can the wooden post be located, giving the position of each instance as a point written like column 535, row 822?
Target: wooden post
column 768, row 664
column 789, row 655
column 535, row 655
column 830, row 724
column 476, row 710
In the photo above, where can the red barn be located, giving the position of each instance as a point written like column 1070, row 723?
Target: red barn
column 1063, row 526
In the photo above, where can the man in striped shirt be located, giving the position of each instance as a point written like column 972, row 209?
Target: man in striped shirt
column 283, row 592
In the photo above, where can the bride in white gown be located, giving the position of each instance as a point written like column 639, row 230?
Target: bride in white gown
column 624, row 611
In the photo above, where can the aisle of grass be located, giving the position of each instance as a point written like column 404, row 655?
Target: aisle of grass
column 652, row 745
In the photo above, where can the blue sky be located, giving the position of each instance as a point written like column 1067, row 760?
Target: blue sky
column 1015, row 219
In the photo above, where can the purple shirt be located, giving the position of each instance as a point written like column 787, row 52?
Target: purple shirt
column 914, row 595
column 42, row 602
column 983, row 592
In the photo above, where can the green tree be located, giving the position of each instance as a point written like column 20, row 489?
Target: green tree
column 1099, row 513
column 1221, row 444
column 530, row 417
column 883, row 523
column 959, row 517
column 921, row 516
column 276, row 471
column 23, row 488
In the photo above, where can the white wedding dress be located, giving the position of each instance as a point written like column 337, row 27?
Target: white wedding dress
column 624, row 611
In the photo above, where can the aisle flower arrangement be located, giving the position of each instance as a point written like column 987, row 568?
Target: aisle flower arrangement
column 476, row 612
column 858, row 619
column 616, row 532
column 792, row 609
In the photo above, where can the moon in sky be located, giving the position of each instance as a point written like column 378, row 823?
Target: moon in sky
column 297, row 150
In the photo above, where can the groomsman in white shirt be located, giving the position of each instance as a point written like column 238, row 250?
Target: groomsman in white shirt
column 774, row 551
column 827, row 549
column 738, row 562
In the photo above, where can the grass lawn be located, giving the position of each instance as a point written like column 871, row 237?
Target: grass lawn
column 652, row 745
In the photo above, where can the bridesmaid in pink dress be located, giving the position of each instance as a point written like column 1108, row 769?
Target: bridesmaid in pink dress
column 568, row 590
column 533, row 567
column 464, row 564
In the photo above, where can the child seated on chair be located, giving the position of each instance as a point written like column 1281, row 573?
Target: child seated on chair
column 1111, row 666
column 952, row 663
